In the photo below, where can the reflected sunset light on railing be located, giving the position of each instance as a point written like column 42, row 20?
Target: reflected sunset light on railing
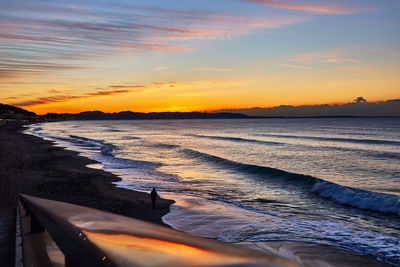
column 125, row 248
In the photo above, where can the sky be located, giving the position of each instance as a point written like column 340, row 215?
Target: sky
column 179, row 55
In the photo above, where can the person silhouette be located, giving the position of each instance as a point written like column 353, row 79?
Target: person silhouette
column 153, row 196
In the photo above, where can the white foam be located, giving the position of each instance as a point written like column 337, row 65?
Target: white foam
column 107, row 150
column 230, row 223
column 358, row 198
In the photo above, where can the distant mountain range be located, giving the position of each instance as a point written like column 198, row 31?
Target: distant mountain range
column 359, row 108
column 129, row 115
column 16, row 116
column 6, row 110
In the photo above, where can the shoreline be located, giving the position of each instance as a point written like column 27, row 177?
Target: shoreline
column 34, row 166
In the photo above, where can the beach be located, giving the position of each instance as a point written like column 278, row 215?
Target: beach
column 34, row 166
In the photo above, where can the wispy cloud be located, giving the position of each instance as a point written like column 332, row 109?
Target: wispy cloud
column 217, row 69
column 336, row 55
column 64, row 98
column 291, row 66
column 315, row 7
column 69, row 33
column 127, row 86
column 33, row 66
column 75, row 93
column 342, row 60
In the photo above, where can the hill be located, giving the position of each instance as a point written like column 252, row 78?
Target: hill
column 129, row 115
column 17, row 116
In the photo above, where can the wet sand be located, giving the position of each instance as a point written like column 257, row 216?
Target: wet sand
column 310, row 255
column 33, row 166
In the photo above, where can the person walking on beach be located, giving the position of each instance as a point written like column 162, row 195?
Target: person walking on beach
column 153, row 196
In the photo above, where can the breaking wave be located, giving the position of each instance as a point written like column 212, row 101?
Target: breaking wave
column 363, row 199
column 237, row 139
column 337, row 139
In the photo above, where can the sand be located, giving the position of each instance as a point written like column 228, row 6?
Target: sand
column 33, row 166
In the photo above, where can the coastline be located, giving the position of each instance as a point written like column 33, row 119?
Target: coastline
column 33, row 166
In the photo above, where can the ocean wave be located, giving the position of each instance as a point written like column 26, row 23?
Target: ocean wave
column 362, row 199
column 36, row 129
column 113, row 130
column 80, row 141
column 214, row 219
column 85, row 139
column 167, row 146
column 359, row 198
column 237, row 139
column 117, row 163
column 128, row 137
column 107, row 150
column 374, row 154
column 263, row 200
column 249, row 168
column 337, row 139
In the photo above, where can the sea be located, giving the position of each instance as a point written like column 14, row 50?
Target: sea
column 328, row 181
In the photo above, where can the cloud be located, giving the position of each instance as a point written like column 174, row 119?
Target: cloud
column 68, row 94
column 336, row 55
column 34, row 66
column 15, row 68
column 64, row 98
column 65, row 33
column 102, row 93
column 359, row 108
column 218, row 69
column 164, row 83
column 342, row 60
column 7, row 74
column 290, row 66
column 127, row 86
column 314, row 8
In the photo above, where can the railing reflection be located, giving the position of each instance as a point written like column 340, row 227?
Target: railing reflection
column 89, row 237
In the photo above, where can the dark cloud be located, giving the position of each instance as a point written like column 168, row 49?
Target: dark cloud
column 127, row 86
column 360, row 99
column 63, row 98
column 363, row 108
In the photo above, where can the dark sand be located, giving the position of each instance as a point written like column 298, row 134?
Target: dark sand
column 33, row 166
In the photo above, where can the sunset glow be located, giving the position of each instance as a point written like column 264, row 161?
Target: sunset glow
column 73, row 56
column 141, row 250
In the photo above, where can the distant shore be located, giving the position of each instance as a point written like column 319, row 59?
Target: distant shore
column 33, row 166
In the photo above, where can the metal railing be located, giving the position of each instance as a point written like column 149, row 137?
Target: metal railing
column 61, row 234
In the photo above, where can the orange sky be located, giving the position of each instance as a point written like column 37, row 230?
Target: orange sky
column 59, row 57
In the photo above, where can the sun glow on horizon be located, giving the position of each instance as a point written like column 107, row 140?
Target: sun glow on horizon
column 208, row 57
